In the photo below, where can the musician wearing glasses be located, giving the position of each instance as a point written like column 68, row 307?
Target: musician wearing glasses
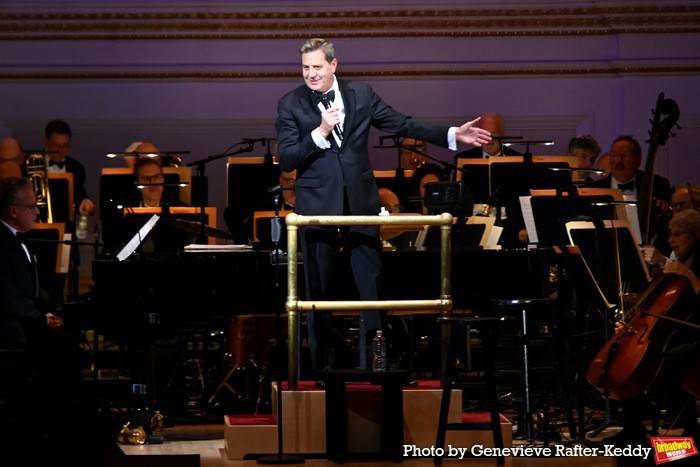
column 27, row 321
column 625, row 160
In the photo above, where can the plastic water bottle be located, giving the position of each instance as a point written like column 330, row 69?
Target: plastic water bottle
column 379, row 352
column 139, row 411
column 81, row 230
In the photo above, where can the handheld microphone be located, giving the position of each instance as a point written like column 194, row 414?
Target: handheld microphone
column 337, row 129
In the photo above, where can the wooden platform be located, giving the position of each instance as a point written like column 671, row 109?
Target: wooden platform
column 303, row 422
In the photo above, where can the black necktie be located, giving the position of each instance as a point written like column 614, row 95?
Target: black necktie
column 626, row 186
column 57, row 164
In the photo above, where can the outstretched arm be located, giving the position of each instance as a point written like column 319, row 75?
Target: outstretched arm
column 469, row 133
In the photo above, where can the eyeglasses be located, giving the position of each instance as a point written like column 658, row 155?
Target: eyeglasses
column 677, row 233
column 621, row 156
column 28, row 206
column 151, row 178
column 685, row 204
column 392, row 208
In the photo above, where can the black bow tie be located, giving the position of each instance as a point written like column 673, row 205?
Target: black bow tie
column 318, row 96
column 60, row 165
column 626, row 186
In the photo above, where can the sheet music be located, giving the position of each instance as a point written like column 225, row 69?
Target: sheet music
column 633, row 218
column 492, row 232
column 529, row 218
column 138, row 238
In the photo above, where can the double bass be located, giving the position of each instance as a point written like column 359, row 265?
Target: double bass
column 630, row 360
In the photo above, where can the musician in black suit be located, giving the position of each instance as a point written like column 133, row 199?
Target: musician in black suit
column 149, row 192
column 26, row 322
column 322, row 132
column 625, row 160
column 57, row 139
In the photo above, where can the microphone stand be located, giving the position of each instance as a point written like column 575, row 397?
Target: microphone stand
column 276, row 231
column 397, row 144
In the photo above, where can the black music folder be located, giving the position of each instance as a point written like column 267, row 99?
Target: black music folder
column 607, row 247
column 581, row 278
column 552, row 213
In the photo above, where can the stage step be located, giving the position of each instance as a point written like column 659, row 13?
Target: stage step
column 304, row 416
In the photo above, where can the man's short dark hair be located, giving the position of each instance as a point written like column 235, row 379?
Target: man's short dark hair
column 57, row 126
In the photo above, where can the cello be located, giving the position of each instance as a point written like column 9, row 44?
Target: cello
column 630, row 360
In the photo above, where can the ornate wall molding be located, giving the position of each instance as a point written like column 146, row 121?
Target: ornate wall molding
column 348, row 24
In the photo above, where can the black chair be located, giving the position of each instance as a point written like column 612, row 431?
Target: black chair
column 487, row 327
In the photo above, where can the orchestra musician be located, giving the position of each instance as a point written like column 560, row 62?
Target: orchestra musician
column 411, row 160
column 586, row 150
column 139, row 149
column 322, row 132
column 28, row 321
column 683, row 347
column 149, row 192
column 625, row 160
column 10, row 150
column 57, row 141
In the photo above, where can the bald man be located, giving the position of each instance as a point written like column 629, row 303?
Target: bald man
column 10, row 150
column 494, row 123
column 141, row 149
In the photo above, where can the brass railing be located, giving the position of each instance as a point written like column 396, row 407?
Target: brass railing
column 294, row 305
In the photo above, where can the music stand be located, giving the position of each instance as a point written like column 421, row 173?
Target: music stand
column 598, row 244
column 53, row 258
column 47, row 244
column 61, row 189
column 587, row 295
column 247, row 182
column 475, row 173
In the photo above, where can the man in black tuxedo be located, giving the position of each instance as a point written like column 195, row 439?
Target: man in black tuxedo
column 26, row 322
column 149, row 192
column 322, row 131
column 625, row 160
column 57, row 138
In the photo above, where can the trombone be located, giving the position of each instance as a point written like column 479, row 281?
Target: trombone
column 36, row 173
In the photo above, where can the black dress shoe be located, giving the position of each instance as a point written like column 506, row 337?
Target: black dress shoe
column 320, row 384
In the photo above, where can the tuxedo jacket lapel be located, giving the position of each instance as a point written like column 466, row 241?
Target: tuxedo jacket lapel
column 349, row 102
